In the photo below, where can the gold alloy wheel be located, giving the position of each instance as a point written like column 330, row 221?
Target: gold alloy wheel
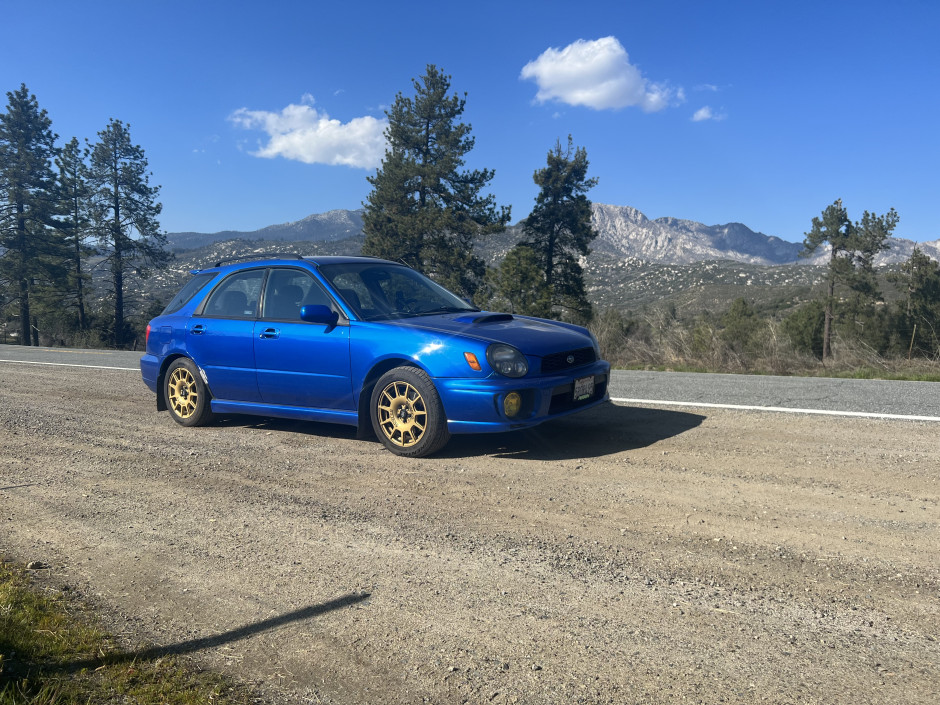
column 182, row 393
column 402, row 414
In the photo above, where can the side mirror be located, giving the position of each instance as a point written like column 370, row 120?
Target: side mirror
column 317, row 313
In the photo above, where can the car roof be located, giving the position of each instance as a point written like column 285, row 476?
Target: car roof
column 346, row 259
column 276, row 259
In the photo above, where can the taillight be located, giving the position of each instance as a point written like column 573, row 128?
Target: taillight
column 147, row 338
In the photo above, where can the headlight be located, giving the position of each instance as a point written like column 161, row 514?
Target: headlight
column 506, row 360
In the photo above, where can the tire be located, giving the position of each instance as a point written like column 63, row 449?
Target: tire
column 187, row 397
column 407, row 413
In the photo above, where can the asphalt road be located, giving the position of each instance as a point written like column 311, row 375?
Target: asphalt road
column 813, row 394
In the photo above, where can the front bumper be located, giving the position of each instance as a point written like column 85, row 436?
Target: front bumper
column 476, row 406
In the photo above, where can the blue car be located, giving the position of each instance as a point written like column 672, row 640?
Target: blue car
column 363, row 342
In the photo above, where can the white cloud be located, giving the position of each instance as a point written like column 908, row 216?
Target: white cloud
column 302, row 133
column 599, row 75
column 706, row 113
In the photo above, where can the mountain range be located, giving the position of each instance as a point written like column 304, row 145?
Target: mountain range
column 623, row 233
column 322, row 227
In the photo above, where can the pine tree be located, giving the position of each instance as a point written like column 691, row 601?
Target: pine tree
column 74, row 221
column 559, row 228
column 124, row 214
column 29, row 248
column 919, row 307
column 425, row 209
column 835, row 228
column 853, row 247
column 518, row 285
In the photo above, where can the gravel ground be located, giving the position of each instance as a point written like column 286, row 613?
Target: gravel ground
column 626, row 555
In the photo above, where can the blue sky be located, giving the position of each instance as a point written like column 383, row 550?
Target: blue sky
column 759, row 112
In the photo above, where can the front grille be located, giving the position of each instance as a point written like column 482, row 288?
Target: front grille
column 560, row 361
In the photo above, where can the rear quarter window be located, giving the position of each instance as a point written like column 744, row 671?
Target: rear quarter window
column 189, row 290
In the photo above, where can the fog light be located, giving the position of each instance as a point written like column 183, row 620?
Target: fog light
column 512, row 404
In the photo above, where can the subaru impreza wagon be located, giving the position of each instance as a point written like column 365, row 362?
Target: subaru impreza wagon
column 363, row 342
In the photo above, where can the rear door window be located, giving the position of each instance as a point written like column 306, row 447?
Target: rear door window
column 237, row 296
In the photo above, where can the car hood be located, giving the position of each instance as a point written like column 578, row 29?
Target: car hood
column 531, row 336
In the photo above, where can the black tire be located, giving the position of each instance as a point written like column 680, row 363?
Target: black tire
column 187, row 397
column 407, row 413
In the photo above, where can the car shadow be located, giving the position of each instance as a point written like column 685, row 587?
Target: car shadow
column 272, row 423
column 603, row 430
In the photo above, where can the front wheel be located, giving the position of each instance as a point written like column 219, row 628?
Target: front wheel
column 187, row 397
column 407, row 413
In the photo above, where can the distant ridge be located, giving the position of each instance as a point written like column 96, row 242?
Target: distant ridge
column 623, row 232
column 323, row 227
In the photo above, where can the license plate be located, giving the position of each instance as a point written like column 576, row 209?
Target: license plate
column 584, row 388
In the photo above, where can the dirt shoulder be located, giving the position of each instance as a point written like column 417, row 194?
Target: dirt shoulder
column 627, row 555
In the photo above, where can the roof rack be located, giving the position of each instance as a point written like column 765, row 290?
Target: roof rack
column 265, row 255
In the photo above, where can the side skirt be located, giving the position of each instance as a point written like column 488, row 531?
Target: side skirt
column 342, row 416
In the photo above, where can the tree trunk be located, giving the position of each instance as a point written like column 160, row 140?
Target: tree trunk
column 117, row 264
column 827, row 324
column 79, row 286
column 117, row 272
column 25, row 336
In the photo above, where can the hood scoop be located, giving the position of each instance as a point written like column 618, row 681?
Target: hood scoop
column 486, row 318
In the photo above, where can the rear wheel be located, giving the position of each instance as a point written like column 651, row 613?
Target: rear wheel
column 407, row 413
column 187, row 397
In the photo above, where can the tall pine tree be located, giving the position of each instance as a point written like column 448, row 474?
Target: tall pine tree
column 559, row 228
column 834, row 228
column 75, row 222
column 425, row 209
column 852, row 250
column 30, row 249
column 124, row 214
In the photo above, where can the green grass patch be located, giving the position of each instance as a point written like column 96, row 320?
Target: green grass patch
column 52, row 653
column 899, row 374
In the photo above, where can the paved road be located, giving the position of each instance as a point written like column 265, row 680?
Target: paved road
column 858, row 396
column 876, row 397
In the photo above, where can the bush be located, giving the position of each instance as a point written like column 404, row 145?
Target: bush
column 804, row 328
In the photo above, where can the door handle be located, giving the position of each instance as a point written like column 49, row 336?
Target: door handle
column 270, row 333
column 198, row 329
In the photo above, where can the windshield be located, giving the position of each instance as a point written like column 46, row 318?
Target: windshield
column 383, row 291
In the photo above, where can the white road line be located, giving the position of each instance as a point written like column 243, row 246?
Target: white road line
column 67, row 351
column 65, row 364
column 782, row 409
